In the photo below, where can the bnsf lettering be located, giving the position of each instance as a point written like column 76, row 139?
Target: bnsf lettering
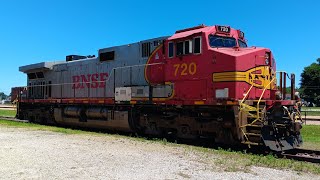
column 89, row 81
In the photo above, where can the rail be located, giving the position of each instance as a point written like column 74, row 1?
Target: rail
column 302, row 155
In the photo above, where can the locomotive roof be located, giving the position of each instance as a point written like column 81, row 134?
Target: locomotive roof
column 38, row 66
column 183, row 34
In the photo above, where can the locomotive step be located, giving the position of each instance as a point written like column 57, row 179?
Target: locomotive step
column 253, row 134
column 253, row 125
column 251, row 143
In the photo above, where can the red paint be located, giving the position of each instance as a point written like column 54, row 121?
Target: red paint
column 89, row 81
column 196, row 85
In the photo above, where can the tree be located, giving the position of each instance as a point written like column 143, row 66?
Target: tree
column 310, row 82
column 3, row 96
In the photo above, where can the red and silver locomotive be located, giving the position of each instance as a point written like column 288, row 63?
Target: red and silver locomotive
column 201, row 82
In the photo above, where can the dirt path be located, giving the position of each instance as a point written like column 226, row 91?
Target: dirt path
column 26, row 154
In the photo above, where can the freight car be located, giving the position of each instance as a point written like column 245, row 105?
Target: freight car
column 201, row 82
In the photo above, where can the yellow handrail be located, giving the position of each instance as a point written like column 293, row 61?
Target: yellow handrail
column 246, row 94
column 257, row 107
column 264, row 90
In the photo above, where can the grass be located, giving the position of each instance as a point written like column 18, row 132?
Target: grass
column 311, row 108
column 226, row 160
column 43, row 127
column 232, row 161
column 310, row 111
column 8, row 113
column 311, row 136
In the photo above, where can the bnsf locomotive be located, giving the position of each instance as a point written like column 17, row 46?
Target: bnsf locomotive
column 201, row 82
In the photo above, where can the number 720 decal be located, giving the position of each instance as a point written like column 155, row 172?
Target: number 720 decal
column 185, row 69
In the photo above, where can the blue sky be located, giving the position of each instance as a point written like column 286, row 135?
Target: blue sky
column 36, row 30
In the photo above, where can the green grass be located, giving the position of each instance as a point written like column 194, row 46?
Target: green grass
column 311, row 136
column 312, row 108
column 310, row 111
column 227, row 160
column 39, row 127
column 8, row 113
column 239, row 161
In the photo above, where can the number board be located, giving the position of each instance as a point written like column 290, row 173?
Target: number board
column 223, row 29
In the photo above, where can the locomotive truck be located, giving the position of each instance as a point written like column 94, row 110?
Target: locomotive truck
column 201, row 82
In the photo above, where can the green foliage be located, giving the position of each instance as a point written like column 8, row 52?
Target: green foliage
column 3, row 95
column 311, row 137
column 310, row 82
column 8, row 113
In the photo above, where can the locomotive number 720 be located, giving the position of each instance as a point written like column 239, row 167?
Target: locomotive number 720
column 185, row 69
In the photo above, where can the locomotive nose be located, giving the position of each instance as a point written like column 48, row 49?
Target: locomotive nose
column 244, row 57
column 243, row 68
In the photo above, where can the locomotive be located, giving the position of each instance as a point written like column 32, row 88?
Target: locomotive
column 201, row 82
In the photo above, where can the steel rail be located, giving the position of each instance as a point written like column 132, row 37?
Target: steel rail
column 306, row 155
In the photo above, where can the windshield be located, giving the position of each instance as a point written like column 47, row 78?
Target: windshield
column 220, row 41
column 242, row 44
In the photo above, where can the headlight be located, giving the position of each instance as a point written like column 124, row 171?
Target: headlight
column 267, row 58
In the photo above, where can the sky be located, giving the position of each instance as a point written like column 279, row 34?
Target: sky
column 36, row 31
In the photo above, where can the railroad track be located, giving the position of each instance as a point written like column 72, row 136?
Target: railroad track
column 302, row 155
column 294, row 154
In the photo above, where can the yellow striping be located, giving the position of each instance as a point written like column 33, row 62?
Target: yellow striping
column 198, row 102
column 259, row 77
column 232, row 102
column 133, row 102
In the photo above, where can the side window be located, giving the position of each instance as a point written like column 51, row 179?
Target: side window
column 39, row 75
column 179, row 48
column 107, row 56
column 197, row 45
column 188, row 47
column 32, row 76
column 184, row 47
column 170, row 51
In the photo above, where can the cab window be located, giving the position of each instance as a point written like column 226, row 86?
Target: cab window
column 221, row 41
column 242, row 44
column 170, row 51
column 197, row 45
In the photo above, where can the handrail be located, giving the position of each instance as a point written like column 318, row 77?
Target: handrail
column 246, row 95
column 264, row 90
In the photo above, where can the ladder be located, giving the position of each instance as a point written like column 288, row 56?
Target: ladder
column 252, row 118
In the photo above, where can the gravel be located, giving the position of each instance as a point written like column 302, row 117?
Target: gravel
column 27, row 154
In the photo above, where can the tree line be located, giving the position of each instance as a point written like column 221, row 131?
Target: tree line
column 310, row 83
column 3, row 96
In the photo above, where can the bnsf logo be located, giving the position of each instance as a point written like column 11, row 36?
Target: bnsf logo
column 89, row 81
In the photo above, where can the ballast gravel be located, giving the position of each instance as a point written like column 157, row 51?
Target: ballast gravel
column 28, row 154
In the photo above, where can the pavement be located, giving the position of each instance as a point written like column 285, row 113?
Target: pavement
column 311, row 120
column 7, row 107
